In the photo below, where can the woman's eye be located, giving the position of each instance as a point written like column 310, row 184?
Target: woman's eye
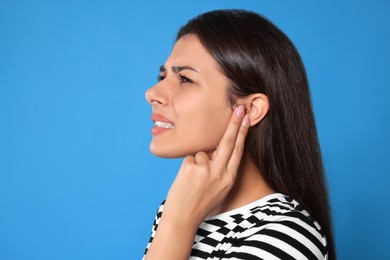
column 160, row 77
column 184, row 79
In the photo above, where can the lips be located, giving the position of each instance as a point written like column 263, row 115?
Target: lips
column 161, row 124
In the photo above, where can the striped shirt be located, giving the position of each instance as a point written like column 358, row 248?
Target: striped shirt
column 273, row 227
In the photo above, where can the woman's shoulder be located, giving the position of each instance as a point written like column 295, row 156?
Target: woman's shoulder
column 273, row 207
column 275, row 226
column 279, row 207
column 282, row 221
column 281, row 210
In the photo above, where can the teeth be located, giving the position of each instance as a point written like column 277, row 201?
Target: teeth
column 163, row 124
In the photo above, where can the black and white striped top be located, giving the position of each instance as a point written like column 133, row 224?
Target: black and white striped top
column 273, row 227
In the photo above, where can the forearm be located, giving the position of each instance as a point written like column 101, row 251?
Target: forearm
column 172, row 241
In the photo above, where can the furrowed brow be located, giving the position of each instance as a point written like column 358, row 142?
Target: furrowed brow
column 163, row 69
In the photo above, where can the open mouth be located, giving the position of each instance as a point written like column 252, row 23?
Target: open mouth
column 163, row 124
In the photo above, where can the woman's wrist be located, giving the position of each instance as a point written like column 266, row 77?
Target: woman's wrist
column 173, row 240
column 182, row 223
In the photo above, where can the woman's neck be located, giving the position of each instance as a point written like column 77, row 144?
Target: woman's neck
column 248, row 187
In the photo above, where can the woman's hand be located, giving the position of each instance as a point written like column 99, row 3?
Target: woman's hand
column 203, row 183
column 200, row 186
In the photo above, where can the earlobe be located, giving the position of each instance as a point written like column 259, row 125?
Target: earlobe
column 257, row 107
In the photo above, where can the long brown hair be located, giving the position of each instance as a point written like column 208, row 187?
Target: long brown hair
column 259, row 58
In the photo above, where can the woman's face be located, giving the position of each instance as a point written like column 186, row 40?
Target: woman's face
column 189, row 104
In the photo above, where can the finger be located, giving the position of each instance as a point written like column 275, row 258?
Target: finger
column 188, row 160
column 201, row 158
column 228, row 140
column 238, row 150
column 214, row 153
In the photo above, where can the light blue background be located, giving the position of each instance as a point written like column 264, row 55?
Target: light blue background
column 77, row 180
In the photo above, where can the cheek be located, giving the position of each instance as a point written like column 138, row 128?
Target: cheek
column 217, row 125
column 206, row 122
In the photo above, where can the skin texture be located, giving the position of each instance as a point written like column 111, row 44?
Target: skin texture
column 210, row 181
column 198, row 109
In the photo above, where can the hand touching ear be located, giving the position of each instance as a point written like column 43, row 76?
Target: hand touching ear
column 202, row 183
column 257, row 106
column 200, row 186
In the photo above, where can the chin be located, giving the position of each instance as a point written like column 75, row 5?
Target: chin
column 173, row 152
column 165, row 153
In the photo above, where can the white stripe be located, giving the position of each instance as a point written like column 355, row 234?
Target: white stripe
column 254, row 251
column 288, row 249
column 203, row 247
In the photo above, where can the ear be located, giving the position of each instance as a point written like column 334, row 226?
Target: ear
column 256, row 106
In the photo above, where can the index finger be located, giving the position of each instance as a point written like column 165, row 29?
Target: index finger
column 229, row 140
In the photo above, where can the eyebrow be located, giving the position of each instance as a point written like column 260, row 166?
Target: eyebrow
column 177, row 69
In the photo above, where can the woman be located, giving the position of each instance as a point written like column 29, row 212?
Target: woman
column 233, row 99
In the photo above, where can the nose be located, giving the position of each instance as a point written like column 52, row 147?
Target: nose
column 156, row 96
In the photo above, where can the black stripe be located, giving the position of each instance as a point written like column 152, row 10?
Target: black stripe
column 236, row 217
column 268, row 248
column 253, row 219
column 271, row 212
column 243, row 256
column 200, row 254
column 216, row 222
column 209, row 241
column 272, row 208
column 202, row 232
column 224, row 230
column 307, row 234
column 291, row 241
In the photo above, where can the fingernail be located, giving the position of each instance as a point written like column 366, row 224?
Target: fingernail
column 245, row 121
column 240, row 111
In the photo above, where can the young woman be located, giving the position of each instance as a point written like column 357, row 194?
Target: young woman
column 233, row 100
